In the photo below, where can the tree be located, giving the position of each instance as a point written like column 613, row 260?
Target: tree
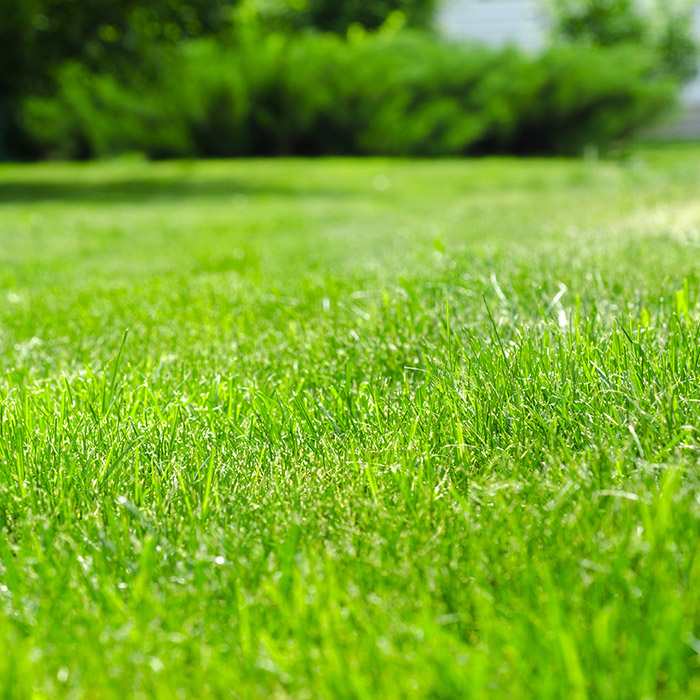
column 334, row 16
column 663, row 26
column 338, row 15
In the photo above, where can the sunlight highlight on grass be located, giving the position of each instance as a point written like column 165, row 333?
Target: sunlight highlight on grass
column 268, row 429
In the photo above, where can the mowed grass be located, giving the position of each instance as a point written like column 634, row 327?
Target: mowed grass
column 351, row 429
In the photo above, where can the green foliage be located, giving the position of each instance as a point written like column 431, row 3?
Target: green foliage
column 331, row 15
column 402, row 94
column 339, row 16
column 665, row 27
column 127, row 37
column 39, row 36
column 378, row 429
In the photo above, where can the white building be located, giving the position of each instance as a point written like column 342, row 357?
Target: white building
column 520, row 22
column 495, row 22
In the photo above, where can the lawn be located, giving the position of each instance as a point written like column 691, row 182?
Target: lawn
column 351, row 429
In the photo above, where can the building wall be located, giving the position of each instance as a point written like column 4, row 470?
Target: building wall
column 495, row 22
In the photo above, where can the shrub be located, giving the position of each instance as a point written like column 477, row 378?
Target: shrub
column 36, row 36
column 400, row 95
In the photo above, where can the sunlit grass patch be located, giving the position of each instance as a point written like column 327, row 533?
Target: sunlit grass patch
column 267, row 428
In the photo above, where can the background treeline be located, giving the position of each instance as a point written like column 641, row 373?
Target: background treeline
column 257, row 77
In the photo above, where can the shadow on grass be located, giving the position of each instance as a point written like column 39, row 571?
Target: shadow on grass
column 143, row 190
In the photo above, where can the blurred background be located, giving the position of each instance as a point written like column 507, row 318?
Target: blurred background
column 218, row 78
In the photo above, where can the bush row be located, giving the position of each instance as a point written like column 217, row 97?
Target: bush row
column 403, row 95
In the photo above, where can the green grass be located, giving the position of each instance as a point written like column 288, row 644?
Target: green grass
column 378, row 429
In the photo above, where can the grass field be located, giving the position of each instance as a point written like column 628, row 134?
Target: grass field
column 377, row 429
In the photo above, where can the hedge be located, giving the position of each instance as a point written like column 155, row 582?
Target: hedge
column 405, row 95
